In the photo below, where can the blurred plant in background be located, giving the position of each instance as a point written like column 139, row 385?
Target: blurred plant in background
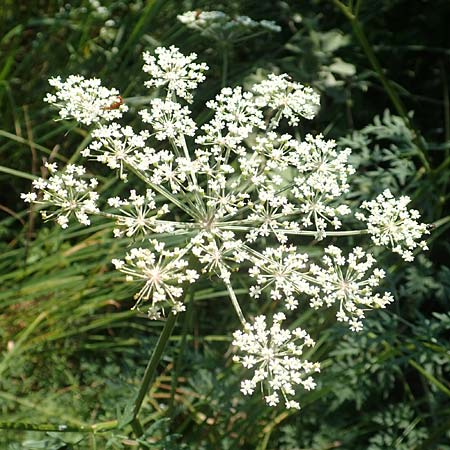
column 72, row 349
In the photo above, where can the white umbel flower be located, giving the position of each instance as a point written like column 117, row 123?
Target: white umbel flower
column 113, row 145
column 275, row 355
column 138, row 215
column 350, row 283
column 236, row 116
column 67, row 194
column 392, row 224
column 170, row 68
column 234, row 196
column 283, row 272
column 85, row 100
column 290, row 99
column 322, row 178
column 162, row 272
column 169, row 120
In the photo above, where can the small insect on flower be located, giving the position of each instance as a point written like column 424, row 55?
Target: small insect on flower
column 197, row 14
column 115, row 105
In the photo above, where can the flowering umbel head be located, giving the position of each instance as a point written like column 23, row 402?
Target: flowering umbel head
column 275, row 355
column 392, row 224
column 175, row 71
column 233, row 192
column 85, row 100
column 67, row 193
column 162, row 273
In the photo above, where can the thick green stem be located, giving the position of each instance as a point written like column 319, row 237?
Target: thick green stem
column 137, row 427
column 150, row 371
column 187, row 322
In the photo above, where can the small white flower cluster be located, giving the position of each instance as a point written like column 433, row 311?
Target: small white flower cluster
column 345, row 281
column 292, row 100
column 173, row 69
column 284, row 272
column 234, row 191
column 169, row 120
column 137, row 215
column 323, row 177
column 162, row 272
column 220, row 27
column 218, row 257
column 112, row 144
column 275, row 355
column 85, row 100
column 235, row 117
column 391, row 223
column 68, row 193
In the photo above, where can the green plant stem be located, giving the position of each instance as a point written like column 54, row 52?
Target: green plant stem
column 391, row 92
column 235, row 302
column 150, row 371
column 430, row 378
column 225, row 226
column 137, row 427
column 62, row 428
column 187, row 322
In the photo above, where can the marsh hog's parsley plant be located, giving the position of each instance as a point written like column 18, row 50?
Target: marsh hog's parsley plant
column 235, row 191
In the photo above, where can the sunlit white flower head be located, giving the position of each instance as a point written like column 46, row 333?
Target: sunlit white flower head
column 289, row 99
column 219, row 256
column 234, row 196
column 275, row 355
column 162, row 272
column 267, row 214
column 85, row 100
column 67, row 194
column 170, row 68
column 169, row 120
column 349, row 282
column 236, row 116
column 279, row 151
column 322, row 178
column 283, row 272
column 392, row 224
column 113, row 144
column 138, row 215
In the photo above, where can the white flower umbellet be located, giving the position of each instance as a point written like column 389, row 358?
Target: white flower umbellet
column 85, row 100
column 174, row 70
column 391, row 223
column 275, row 354
column 234, row 192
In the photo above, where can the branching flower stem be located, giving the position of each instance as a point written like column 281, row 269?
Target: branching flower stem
column 231, row 226
column 235, row 302
column 164, row 192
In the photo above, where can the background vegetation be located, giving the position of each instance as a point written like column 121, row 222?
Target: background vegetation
column 72, row 352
